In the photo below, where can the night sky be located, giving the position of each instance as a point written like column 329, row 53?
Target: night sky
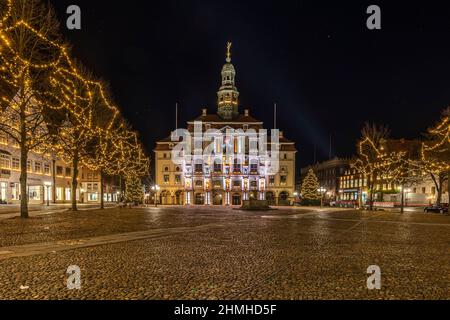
column 316, row 59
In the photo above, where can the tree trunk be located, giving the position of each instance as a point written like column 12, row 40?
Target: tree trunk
column 54, row 181
column 438, row 184
column 102, row 202
column 75, row 162
column 402, row 204
column 439, row 191
column 23, row 163
column 370, row 184
column 23, row 183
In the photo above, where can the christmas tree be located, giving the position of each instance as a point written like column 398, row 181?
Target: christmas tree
column 310, row 186
column 133, row 190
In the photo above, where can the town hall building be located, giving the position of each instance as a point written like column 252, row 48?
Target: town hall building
column 227, row 182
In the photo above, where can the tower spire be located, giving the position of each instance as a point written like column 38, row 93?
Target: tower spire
column 229, row 45
column 228, row 95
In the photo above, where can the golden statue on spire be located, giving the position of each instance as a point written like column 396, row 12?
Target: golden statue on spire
column 229, row 44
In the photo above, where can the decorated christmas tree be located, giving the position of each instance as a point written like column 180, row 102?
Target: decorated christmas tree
column 133, row 190
column 310, row 185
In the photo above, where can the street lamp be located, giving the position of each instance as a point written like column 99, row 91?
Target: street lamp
column 322, row 191
column 156, row 188
column 48, row 185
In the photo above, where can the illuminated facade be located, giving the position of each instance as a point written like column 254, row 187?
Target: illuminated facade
column 353, row 185
column 231, row 181
column 48, row 179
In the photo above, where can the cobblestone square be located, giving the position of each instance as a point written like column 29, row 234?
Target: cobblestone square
column 219, row 253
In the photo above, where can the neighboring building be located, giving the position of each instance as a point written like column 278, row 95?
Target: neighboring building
column 232, row 181
column 353, row 185
column 48, row 179
column 328, row 173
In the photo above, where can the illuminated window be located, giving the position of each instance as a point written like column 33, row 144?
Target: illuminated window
column 47, row 169
column 5, row 161
column 37, row 167
column 15, row 191
column 68, row 193
column 178, row 179
column 34, row 192
column 29, row 166
column 3, row 139
column 199, row 183
column 15, row 163
column 271, row 180
column 59, row 194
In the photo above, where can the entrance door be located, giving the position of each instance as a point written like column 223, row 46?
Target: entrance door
column 3, row 197
column 217, row 199
column 199, row 198
column 236, row 199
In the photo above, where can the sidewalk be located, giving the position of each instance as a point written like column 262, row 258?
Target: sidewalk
column 11, row 211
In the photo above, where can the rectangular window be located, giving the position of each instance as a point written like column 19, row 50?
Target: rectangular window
column 178, row 179
column 271, row 180
column 5, row 161
column 37, row 167
column 3, row 139
column 166, row 178
column 68, row 194
column 424, row 190
column 47, row 169
column 199, row 167
column 15, row 191
column 59, row 171
column 59, row 194
column 217, row 167
column 15, row 163
column 34, row 193
column 283, row 179
column 29, row 165
column 95, row 186
column 3, row 197
column 433, row 190
column 68, row 172
column 89, row 176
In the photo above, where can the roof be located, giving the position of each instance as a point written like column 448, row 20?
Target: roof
column 215, row 118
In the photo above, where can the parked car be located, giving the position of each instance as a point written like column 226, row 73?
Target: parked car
column 437, row 208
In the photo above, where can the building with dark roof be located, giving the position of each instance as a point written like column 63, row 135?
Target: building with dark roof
column 224, row 178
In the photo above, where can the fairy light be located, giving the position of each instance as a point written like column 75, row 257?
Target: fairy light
column 118, row 151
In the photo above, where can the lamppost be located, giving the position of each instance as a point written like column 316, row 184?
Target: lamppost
column 48, row 186
column 156, row 188
column 322, row 191
column 295, row 197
